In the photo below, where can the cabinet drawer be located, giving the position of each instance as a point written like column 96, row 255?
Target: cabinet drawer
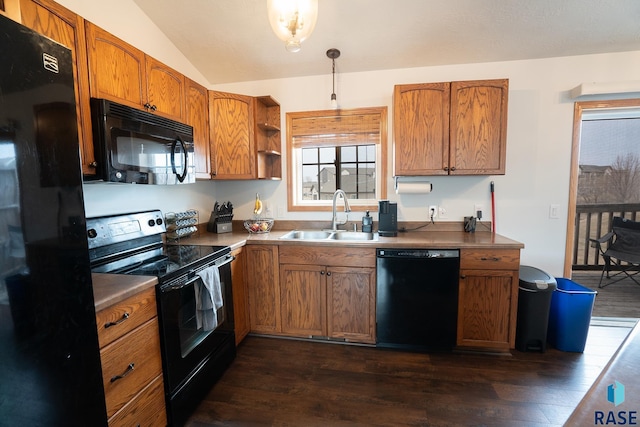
column 323, row 255
column 500, row 259
column 129, row 364
column 145, row 410
column 123, row 317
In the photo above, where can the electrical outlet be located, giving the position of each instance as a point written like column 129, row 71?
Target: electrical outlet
column 433, row 211
column 442, row 212
column 478, row 208
column 554, row 211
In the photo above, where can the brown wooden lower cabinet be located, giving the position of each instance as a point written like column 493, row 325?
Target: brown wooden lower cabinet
column 488, row 299
column 315, row 292
column 242, row 323
column 303, row 296
column 309, row 291
column 328, row 301
column 129, row 339
column 145, row 409
column 263, row 285
column 351, row 303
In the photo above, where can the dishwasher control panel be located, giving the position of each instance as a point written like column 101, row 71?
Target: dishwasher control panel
column 418, row 253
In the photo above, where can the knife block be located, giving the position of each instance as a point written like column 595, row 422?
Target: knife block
column 220, row 223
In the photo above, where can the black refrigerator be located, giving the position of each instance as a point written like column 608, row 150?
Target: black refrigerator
column 50, row 371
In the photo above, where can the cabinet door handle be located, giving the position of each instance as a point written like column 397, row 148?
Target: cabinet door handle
column 453, row 168
column 147, row 106
column 124, row 317
column 328, row 273
column 322, row 273
column 124, row 374
column 490, row 259
column 463, row 276
column 446, row 168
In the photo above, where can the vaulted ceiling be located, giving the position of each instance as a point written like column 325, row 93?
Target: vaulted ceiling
column 232, row 41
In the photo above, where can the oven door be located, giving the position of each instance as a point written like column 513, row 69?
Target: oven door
column 189, row 338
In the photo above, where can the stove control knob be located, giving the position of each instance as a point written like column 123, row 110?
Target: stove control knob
column 92, row 233
column 159, row 221
column 119, row 175
column 151, row 223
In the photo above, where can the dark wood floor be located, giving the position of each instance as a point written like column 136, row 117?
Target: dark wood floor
column 279, row 382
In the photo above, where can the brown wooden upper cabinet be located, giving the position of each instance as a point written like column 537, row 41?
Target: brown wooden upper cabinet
column 198, row 118
column 245, row 136
column 10, row 9
column 232, row 143
column 124, row 74
column 60, row 24
column 451, row 128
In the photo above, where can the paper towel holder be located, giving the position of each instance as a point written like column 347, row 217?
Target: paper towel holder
column 413, row 179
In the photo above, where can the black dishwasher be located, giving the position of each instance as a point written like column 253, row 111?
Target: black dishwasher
column 417, row 299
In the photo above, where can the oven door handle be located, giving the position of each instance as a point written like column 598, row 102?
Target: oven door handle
column 228, row 259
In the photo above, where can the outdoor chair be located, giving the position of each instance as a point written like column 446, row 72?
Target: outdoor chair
column 623, row 250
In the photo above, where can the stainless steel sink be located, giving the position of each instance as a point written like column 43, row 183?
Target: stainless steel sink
column 307, row 235
column 353, row 235
column 324, row 235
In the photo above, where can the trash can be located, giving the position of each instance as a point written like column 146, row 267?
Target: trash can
column 570, row 316
column 534, row 300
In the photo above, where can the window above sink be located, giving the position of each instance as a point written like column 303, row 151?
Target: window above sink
column 332, row 149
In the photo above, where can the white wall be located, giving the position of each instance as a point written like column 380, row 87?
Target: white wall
column 539, row 139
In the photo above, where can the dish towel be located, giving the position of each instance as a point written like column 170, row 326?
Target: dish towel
column 208, row 294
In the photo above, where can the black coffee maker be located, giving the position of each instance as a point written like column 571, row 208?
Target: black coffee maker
column 387, row 218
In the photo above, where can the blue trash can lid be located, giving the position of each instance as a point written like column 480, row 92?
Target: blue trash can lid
column 533, row 278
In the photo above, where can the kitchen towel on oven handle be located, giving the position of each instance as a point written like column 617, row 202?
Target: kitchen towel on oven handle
column 208, row 296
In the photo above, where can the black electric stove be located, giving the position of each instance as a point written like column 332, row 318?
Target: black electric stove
column 165, row 261
column 197, row 345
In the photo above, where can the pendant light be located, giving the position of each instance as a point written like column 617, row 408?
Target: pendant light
column 333, row 54
column 292, row 20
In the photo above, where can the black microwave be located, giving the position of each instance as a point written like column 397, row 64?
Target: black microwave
column 135, row 146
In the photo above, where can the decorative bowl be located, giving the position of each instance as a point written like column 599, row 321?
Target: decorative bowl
column 259, row 225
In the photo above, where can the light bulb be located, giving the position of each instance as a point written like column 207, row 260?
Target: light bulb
column 292, row 20
column 292, row 45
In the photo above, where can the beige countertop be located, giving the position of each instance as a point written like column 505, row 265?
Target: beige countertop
column 109, row 289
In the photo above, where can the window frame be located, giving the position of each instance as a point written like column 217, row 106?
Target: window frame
column 294, row 160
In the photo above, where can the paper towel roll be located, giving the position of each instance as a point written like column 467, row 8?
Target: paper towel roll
column 413, row 187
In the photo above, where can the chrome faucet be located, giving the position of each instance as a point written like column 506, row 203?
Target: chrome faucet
column 347, row 209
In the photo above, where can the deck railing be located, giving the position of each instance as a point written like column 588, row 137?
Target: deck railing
column 592, row 222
